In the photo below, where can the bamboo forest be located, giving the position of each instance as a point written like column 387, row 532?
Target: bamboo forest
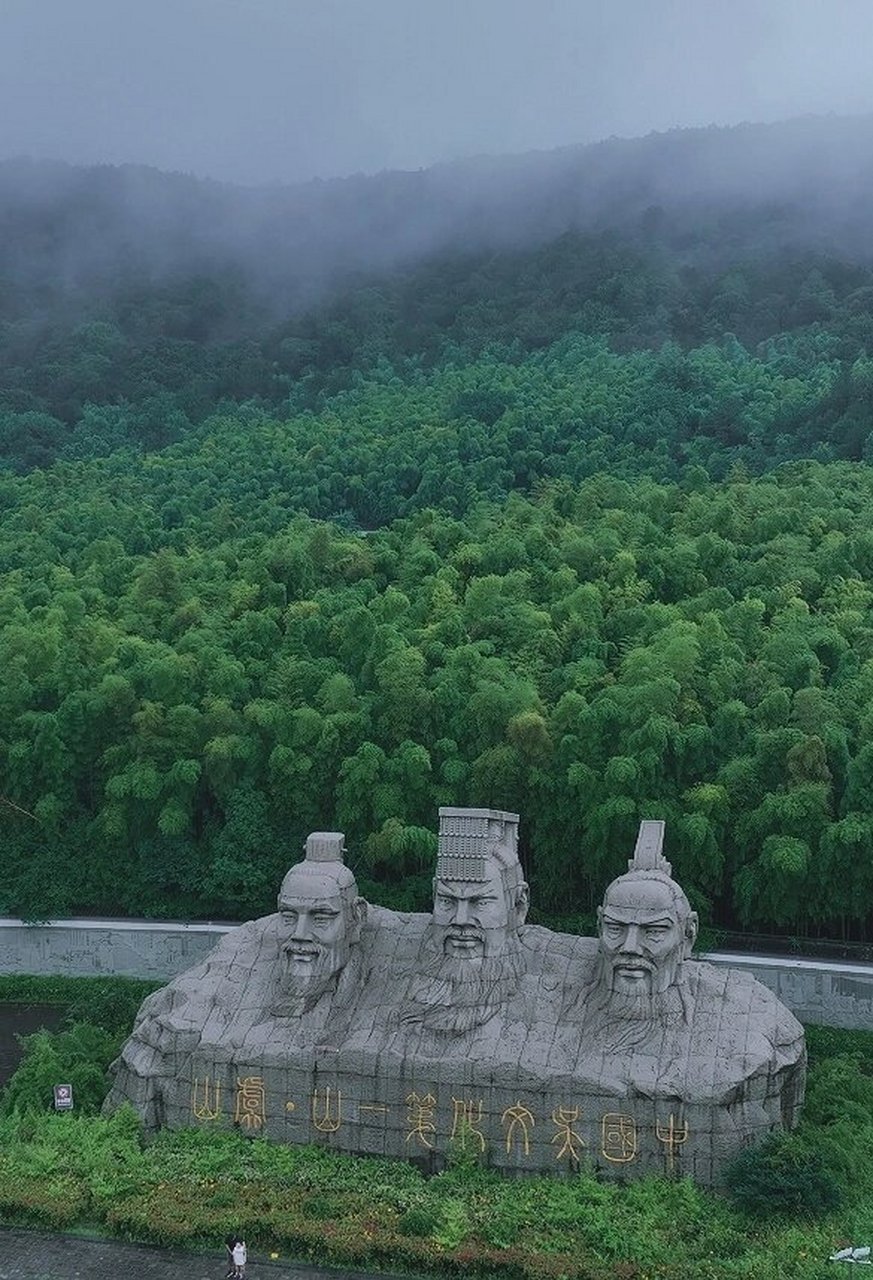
column 578, row 527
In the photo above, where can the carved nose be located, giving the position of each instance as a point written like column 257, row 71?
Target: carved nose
column 462, row 912
column 301, row 927
column 632, row 940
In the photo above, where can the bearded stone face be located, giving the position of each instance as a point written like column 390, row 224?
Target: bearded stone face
column 470, row 960
column 316, row 931
column 477, row 920
column 643, row 938
column 636, row 991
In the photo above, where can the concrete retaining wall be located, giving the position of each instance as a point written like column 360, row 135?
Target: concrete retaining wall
column 94, row 948
column 826, row 992
column 830, row 993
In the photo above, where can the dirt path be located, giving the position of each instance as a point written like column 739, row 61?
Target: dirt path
column 32, row 1255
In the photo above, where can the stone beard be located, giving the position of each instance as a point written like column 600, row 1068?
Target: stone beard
column 333, row 969
column 616, row 1019
column 452, row 994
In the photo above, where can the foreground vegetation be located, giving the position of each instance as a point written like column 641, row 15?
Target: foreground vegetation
column 191, row 1188
column 787, row 1205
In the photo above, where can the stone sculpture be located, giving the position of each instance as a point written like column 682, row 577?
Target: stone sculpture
column 268, row 991
column 705, row 1058
column 404, row 1034
column 470, row 960
column 320, row 920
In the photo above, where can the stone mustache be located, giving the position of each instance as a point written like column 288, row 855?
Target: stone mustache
column 406, row 1035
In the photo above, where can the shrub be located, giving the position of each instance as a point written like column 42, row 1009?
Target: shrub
column 53, row 1202
column 831, row 1042
column 783, row 1175
column 419, row 1222
column 110, row 1003
column 453, row 1224
column 79, row 1056
column 322, row 1208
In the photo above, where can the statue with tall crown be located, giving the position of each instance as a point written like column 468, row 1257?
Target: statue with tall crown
column 471, row 960
column 408, row 1034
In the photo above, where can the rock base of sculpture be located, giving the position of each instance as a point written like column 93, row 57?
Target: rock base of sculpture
column 541, row 1054
column 425, row 1114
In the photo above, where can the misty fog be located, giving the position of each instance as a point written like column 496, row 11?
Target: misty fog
column 73, row 228
column 284, row 90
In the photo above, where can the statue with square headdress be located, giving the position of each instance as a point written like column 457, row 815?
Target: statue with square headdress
column 471, row 959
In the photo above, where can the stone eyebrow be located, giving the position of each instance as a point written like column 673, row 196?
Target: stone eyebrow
column 311, row 904
column 483, row 890
column 614, row 919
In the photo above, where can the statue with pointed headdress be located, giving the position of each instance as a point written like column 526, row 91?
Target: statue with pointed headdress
column 646, row 1021
column 646, row 931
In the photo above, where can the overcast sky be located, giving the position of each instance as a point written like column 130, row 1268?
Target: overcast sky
column 279, row 90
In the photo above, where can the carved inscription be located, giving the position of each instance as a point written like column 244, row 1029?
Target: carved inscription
column 519, row 1123
column 421, row 1114
column 206, row 1098
column 618, row 1138
column 466, row 1119
column 250, row 1109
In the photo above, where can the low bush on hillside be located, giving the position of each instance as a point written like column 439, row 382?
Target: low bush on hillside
column 783, row 1175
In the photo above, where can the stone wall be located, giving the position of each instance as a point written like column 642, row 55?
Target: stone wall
column 98, row 948
column 822, row 992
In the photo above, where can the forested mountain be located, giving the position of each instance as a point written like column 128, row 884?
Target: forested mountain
column 540, row 483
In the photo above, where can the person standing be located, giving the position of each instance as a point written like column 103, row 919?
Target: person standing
column 239, row 1260
column 229, row 1243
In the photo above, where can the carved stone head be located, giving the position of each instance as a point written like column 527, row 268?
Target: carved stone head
column 321, row 916
column 646, row 929
column 480, row 896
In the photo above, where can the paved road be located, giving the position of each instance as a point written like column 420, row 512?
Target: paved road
column 31, row 1255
